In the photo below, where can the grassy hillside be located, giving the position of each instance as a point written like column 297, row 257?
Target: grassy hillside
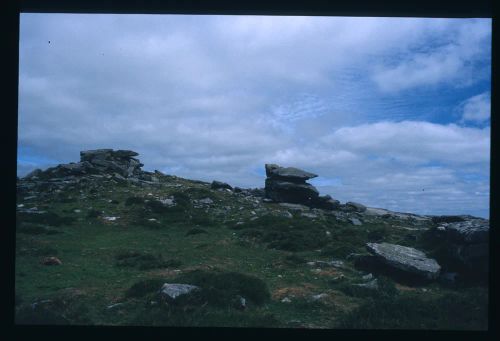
column 118, row 242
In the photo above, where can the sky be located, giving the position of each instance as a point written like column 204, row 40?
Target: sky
column 389, row 112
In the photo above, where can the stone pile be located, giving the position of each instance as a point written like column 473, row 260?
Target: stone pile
column 99, row 161
column 288, row 184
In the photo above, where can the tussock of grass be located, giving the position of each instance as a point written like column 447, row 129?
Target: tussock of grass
column 144, row 261
column 194, row 231
column 93, row 213
column 144, row 287
column 28, row 228
column 48, row 218
column 282, row 233
column 220, row 288
column 451, row 311
column 133, row 200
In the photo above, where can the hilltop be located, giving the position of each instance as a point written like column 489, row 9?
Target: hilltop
column 101, row 241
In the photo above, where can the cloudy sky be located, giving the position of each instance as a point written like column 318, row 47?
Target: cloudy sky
column 390, row 112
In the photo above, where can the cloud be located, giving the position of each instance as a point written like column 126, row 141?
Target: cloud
column 477, row 109
column 216, row 97
column 453, row 60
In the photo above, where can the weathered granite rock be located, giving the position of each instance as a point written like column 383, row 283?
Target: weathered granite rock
column 292, row 192
column 220, row 185
column 174, row 290
column 33, row 174
column 327, row 202
column 354, row 207
column 291, row 174
column 466, row 239
column 406, row 259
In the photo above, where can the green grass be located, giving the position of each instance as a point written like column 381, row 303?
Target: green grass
column 126, row 261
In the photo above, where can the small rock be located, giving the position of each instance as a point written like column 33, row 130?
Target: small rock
column 77, row 211
column 174, row 290
column 110, row 218
column 205, row 201
column 373, row 284
column 286, row 300
column 355, row 221
column 319, row 297
column 51, row 261
column 367, row 277
column 112, row 306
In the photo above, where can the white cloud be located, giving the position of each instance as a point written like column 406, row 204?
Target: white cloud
column 216, row 97
column 451, row 61
column 477, row 108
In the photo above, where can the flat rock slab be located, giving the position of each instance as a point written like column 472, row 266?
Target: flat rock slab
column 405, row 258
column 290, row 173
column 174, row 290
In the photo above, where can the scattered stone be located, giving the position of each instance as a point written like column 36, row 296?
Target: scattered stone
column 355, row 221
column 287, row 214
column 51, row 261
column 309, row 215
column 174, row 290
column 319, row 297
column 405, row 258
column 294, row 207
column 116, row 305
column 373, row 284
column 110, row 218
column 205, row 201
column 167, row 201
column 286, row 300
column 367, row 277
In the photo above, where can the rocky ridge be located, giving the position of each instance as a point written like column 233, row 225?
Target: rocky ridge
column 466, row 238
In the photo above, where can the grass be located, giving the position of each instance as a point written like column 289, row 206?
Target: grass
column 144, row 261
column 450, row 311
column 127, row 261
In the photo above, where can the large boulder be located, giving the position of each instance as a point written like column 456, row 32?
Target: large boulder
column 291, row 174
column 467, row 243
column 405, row 259
column 285, row 191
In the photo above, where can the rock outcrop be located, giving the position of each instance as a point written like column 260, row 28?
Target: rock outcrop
column 467, row 241
column 406, row 259
column 99, row 161
column 288, row 184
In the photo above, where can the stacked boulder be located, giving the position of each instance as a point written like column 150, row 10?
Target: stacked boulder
column 109, row 161
column 288, row 184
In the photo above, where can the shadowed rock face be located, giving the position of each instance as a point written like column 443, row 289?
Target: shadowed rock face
column 467, row 242
column 405, row 258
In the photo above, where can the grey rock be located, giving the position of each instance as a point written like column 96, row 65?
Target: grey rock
column 327, row 202
column 287, row 173
column 355, row 207
column 33, row 174
column 174, row 290
column 355, row 221
column 469, row 232
column 367, row 277
column 220, row 185
column 285, row 191
column 373, row 284
column 205, row 201
column 294, row 207
column 405, row 258
column 308, row 215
